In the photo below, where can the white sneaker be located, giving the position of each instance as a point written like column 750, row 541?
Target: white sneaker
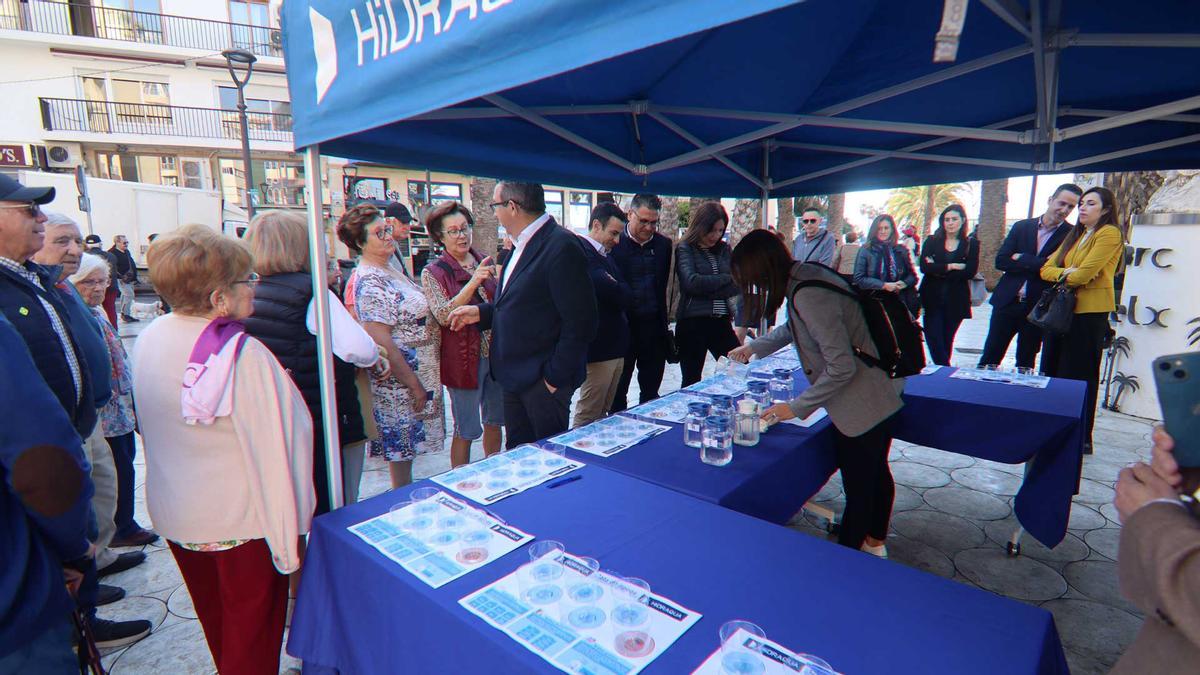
column 880, row 550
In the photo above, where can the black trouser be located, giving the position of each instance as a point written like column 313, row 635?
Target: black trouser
column 867, row 480
column 700, row 335
column 124, row 449
column 535, row 414
column 940, row 329
column 1077, row 356
column 648, row 351
column 1009, row 321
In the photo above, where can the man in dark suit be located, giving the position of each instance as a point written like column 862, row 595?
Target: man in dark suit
column 1021, row 256
column 543, row 317
column 644, row 258
column 606, row 353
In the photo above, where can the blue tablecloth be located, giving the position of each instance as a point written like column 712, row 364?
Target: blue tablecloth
column 1010, row 424
column 361, row 613
column 771, row 480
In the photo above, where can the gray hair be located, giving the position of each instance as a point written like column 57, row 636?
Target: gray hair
column 54, row 218
column 647, row 200
column 89, row 264
column 529, row 196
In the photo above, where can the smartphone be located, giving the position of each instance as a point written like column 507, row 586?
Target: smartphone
column 1177, row 377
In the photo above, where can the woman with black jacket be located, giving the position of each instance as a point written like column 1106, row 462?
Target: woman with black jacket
column 949, row 260
column 883, row 264
column 706, row 291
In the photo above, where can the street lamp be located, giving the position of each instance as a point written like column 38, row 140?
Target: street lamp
column 242, row 61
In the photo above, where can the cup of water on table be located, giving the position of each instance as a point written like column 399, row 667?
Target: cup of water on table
column 722, row 406
column 781, row 385
column 540, row 585
column 693, row 425
column 741, row 648
column 422, row 498
column 1025, row 375
column 629, row 620
column 815, row 665
column 473, row 546
column 759, row 391
column 541, row 548
column 717, row 446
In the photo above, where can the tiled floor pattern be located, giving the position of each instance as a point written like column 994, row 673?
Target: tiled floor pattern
column 953, row 515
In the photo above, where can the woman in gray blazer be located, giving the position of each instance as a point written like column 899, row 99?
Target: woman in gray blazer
column 706, row 292
column 826, row 328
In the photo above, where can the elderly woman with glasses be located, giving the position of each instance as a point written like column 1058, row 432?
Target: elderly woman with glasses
column 463, row 276
column 229, row 447
column 395, row 313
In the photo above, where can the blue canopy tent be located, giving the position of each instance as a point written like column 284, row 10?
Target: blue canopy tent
column 745, row 98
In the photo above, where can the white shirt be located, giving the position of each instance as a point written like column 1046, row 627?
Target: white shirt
column 596, row 245
column 350, row 342
column 519, row 243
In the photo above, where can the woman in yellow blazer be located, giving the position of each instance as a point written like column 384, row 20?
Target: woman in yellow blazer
column 1088, row 258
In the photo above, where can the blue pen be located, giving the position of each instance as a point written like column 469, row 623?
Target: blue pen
column 562, row 482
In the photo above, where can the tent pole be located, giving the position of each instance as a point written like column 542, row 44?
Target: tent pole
column 320, row 278
column 766, row 181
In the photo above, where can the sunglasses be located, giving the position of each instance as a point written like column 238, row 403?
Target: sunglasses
column 810, row 221
column 34, row 209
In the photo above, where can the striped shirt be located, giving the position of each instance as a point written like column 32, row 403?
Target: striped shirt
column 56, row 323
column 719, row 306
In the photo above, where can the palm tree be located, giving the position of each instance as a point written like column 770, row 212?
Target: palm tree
column 990, row 227
column 787, row 219
column 1194, row 334
column 487, row 226
column 668, row 218
column 1123, row 382
column 920, row 205
column 836, row 215
column 745, row 217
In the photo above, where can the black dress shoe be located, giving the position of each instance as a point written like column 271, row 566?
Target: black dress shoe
column 139, row 537
column 107, row 595
column 129, row 319
column 123, row 562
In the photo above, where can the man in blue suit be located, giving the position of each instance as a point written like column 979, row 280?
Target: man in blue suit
column 606, row 353
column 1021, row 256
column 543, row 317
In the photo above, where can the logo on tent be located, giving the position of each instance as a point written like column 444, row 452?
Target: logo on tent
column 325, row 50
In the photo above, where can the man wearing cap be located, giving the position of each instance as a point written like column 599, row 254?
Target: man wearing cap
column 41, row 315
column 93, row 242
column 398, row 216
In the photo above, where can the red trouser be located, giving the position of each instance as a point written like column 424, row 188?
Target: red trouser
column 241, row 601
column 110, row 305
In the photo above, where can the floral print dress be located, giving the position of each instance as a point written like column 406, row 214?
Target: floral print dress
column 385, row 297
column 117, row 416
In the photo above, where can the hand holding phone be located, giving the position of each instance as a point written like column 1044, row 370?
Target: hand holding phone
column 1177, row 377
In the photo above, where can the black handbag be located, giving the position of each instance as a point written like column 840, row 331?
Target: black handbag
column 1055, row 309
column 672, row 347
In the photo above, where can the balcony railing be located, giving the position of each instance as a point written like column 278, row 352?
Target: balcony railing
column 88, row 20
column 103, row 117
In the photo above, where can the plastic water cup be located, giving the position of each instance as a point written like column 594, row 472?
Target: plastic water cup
column 815, row 665
column 741, row 656
column 1025, row 375
column 473, row 546
column 395, row 516
column 557, row 456
column 544, row 547
column 422, row 498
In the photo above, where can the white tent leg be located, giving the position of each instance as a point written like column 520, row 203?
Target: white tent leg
column 320, row 278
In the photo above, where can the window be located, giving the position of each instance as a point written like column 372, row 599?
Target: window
column 554, row 205
column 252, row 27
column 267, row 119
column 152, row 169
column 129, row 20
column 442, row 192
column 581, row 211
column 123, row 105
column 276, row 183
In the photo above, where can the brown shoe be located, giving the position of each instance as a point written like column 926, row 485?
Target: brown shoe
column 139, row 537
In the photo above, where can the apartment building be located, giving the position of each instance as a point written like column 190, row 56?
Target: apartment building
column 137, row 91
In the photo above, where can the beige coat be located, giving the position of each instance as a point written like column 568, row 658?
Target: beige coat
column 824, row 326
column 1159, row 570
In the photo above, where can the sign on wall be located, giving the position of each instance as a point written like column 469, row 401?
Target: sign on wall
column 14, row 155
column 1159, row 311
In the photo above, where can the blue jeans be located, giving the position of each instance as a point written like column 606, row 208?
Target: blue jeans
column 46, row 654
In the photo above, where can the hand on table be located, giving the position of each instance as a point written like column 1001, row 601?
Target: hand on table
column 740, row 354
column 780, row 412
column 464, row 316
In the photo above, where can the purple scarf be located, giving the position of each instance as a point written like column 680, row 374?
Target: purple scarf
column 208, row 379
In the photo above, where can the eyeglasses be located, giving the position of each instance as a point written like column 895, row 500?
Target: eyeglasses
column 465, row 232
column 506, row 202
column 92, row 282
column 251, row 280
column 34, row 209
column 810, row 221
column 385, row 232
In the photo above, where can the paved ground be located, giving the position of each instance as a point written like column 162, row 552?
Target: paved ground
column 952, row 516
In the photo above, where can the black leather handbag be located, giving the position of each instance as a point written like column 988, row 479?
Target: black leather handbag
column 1055, row 309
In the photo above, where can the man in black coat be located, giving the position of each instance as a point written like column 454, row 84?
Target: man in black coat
column 606, row 353
column 543, row 317
column 126, row 269
column 1028, row 244
column 644, row 258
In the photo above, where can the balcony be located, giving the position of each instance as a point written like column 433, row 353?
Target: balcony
column 87, row 20
column 103, row 117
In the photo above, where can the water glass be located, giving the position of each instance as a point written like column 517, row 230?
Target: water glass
column 541, row 548
column 693, row 425
column 717, row 442
column 745, row 428
column 742, row 654
column 557, row 456
column 473, row 546
column 1025, row 375
column 722, row 406
column 759, row 391
column 395, row 514
column 815, row 665
column 422, row 498
column 781, row 385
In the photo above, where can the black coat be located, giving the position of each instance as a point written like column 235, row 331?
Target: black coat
column 544, row 314
column 1022, row 238
column 699, row 285
column 613, row 298
column 633, row 259
column 948, row 290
